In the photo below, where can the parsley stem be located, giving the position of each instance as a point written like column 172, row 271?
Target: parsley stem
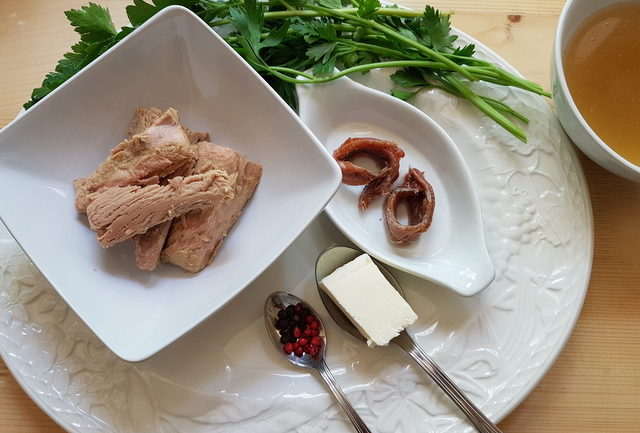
column 501, row 106
column 344, row 72
column 287, row 5
column 353, row 69
column 505, row 75
column 309, row 77
column 493, row 75
column 487, row 73
column 398, row 36
column 489, row 106
column 523, row 83
column 498, row 105
column 363, row 46
column 485, row 107
column 275, row 15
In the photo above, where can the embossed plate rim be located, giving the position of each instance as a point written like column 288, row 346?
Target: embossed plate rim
column 574, row 320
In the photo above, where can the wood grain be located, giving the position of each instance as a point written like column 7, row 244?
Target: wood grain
column 594, row 386
column 511, row 7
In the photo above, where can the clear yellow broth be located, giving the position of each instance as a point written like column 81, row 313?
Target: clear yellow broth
column 602, row 69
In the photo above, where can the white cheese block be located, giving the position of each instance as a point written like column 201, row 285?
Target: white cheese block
column 371, row 303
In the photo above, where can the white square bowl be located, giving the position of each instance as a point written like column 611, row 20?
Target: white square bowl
column 172, row 60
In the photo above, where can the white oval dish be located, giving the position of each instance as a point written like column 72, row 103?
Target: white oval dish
column 452, row 252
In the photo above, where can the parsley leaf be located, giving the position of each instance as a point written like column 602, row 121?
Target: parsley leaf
column 404, row 95
column 93, row 22
column 408, row 33
column 466, row 51
column 97, row 34
column 408, row 77
column 326, row 67
column 325, row 55
column 315, row 30
column 332, row 4
column 411, row 78
column 367, row 8
column 248, row 21
column 275, row 36
column 438, row 28
column 140, row 11
column 321, row 51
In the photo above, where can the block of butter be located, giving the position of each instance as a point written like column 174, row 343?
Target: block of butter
column 371, row 303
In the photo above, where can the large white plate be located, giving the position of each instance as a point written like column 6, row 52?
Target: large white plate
column 225, row 377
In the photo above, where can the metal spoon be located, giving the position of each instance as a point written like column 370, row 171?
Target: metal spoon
column 334, row 257
column 276, row 302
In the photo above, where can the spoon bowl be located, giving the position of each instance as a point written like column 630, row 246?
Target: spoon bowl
column 278, row 301
column 334, row 257
column 328, row 261
column 275, row 303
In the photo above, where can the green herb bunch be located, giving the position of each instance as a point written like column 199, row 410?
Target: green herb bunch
column 316, row 41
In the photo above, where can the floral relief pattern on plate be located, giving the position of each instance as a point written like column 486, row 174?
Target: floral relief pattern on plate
column 225, row 377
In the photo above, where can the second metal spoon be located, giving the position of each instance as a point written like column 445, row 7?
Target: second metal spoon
column 334, row 257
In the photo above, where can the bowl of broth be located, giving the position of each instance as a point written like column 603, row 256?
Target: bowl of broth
column 596, row 81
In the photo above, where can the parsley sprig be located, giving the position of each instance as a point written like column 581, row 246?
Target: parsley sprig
column 315, row 41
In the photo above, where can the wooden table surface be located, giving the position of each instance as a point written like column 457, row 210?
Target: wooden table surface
column 594, row 386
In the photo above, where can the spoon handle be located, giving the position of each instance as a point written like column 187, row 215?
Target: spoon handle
column 477, row 418
column 337, row 392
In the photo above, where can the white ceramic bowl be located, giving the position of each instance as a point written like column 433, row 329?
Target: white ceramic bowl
column 172, row 60
column 573, row 14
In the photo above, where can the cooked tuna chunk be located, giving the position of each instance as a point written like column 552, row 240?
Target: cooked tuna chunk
column 145, row 117
column 195, row 137
column 121, row 212
column 149, row 246
column 195, row 237
column 143, row 159
column 142, row 119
